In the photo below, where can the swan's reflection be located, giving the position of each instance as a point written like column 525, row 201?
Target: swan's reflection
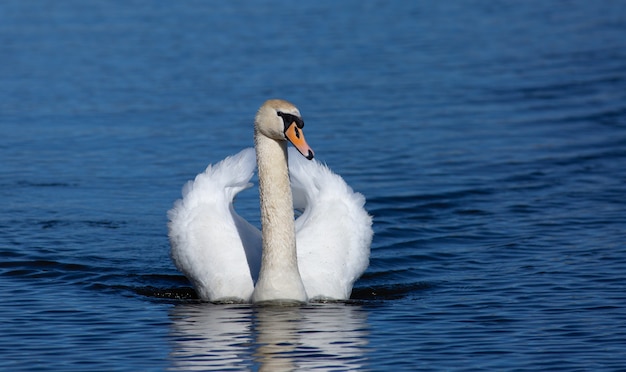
column 242, row 337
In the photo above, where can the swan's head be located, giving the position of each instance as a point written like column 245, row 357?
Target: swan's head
column 281, row 120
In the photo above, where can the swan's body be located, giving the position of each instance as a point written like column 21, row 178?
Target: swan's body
column 318, row 256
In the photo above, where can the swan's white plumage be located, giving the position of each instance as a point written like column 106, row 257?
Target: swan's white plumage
column 211, row 244
column 333, row 233
column 221, row 253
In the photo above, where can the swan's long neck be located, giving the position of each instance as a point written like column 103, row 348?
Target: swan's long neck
column 279, row 278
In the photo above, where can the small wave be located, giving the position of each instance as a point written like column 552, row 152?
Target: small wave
column 389, row 291
column 108, row 224
column 24, row 183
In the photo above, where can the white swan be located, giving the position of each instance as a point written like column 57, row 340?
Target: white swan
column 318, row 256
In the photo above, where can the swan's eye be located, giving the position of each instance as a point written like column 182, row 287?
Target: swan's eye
column 289, row 118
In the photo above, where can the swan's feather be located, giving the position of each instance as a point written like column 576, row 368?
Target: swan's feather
column 211, row 244
column 333, row 233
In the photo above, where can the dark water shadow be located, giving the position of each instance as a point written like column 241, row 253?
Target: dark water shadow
column 360, row 296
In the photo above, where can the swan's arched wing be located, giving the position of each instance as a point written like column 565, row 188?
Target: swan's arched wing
column 211, row 244
column 334, row 232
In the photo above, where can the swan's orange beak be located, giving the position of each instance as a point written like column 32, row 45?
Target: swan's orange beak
column 296, row 136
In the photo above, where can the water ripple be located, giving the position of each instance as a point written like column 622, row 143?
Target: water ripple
column 488, row 141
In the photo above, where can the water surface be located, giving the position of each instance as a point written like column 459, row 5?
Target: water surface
column 488, row 138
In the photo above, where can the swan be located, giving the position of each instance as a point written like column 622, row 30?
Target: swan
column 316, row 257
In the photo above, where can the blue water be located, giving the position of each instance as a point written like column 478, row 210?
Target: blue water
column 488, row 137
